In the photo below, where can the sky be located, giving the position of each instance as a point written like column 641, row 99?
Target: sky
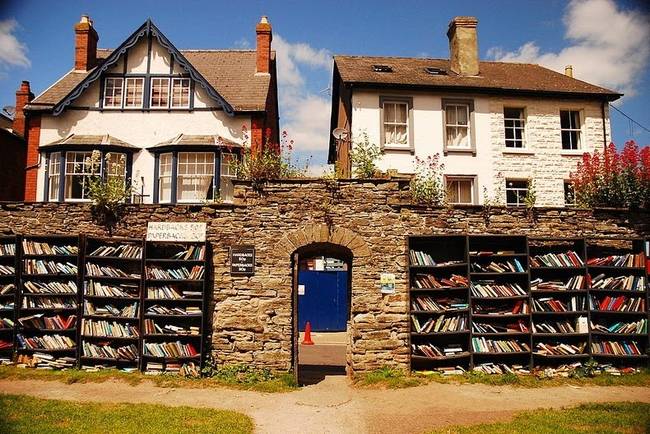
column 606, row 41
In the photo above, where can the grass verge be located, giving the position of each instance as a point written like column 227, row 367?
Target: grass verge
column 23, row 414
column 622, row 417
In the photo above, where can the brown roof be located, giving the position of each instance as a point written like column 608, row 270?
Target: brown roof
column 230, row 72
column 495, row 77
column 87, row 139
column 197, row 139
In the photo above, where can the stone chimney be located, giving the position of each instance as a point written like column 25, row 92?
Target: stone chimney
column 463, row 46
column 568, row 71
column 264, row 37
column 23, row 97
column 85, row 51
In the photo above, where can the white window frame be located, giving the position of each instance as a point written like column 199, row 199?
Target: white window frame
column 196, row 177
column 132, row 80
column 520, row 202
column 225, row 181
column 455, row 104
column 54, row 176
column 460, row 178
column 165, row 160
column 113, row 93
column 84, row 174
column 394, row 124
column 514, row 128
column 577, row 129
column 181, row 83
column 166, row 80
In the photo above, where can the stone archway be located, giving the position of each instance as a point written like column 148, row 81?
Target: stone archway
column 321, row 233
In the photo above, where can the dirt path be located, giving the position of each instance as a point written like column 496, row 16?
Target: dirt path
column 332, row 406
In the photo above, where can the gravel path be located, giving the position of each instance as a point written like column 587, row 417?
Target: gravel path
column 332, row 406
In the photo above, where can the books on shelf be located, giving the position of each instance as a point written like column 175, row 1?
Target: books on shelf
column 114, row 329
column 99, row 289
column 7, row 289
column 517, row 327
column 7, row 270
column 107, row 351
column 619, row 283
column 122, row 251
column 7, row 249
column 192, row 253
column 45, row 361
column 579, row 325
column 128, row 311
column 636, row 260
column 42, row 248
column 41, row 266
column 484, row 345
column 181, row 273
column 49, row 303
column 439, row 304
column 617, row 348
column 8, row 305
column 623, row 327
column 429, row 281
column 574, row 283
column 157, row 309
column 618, row 304
column 45, row 342
column 425, row 259
column 513, row 266
column 433, row 351
column 441, row 324
column 151, row 328
column 170, row 349
column 560, row 349
column 52, row 287
column 94, row 270
column 492, row 253
column 500, row 369
column 6, row 323
column 568, row 259
column 517, row 308
column 549, row 304
column 492, row 289
column 165, row 293
column 39, row 321
column 6, row 345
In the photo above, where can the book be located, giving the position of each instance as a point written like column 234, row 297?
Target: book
column 182, row 273
column 484, row 345
column 617, row 348
column 622, row 327
column 491, row 289
column 104, row 328
column 7, row 249
column 560, row 349
column 121, row 251
column 567, row 259
column 513, row 266
column 98, row 289
column 635, row 260
column 574, row 283
column 619, row 283
column 430, row 281
column 43, row 248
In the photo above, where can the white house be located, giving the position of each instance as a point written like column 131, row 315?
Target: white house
column 494, row 125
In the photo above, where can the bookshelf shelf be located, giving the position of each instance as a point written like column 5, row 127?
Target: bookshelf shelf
column 562, row 356
column 500, row 316
column 9, row 284
column 460, row 332
column 560, row 335
column 463, row 355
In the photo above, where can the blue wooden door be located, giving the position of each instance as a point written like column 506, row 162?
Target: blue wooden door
column 325, row 300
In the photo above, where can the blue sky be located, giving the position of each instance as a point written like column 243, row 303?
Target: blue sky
column 605, row 40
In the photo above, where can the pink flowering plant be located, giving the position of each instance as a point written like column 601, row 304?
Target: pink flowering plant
column 428, row 185
column 613, row 178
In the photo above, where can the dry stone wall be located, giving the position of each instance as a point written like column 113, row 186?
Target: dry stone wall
column 252, row 316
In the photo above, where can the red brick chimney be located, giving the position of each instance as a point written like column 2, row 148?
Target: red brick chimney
column 85, row 51
column 264, row 37
column 23, row 97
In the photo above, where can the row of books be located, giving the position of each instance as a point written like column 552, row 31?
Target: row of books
column 618, row 304
column 94, row 270
column 517, row 327
column 500, row 368
column 430, row 350
column 45, row 361
column 568, row 259
column 49, row 303
column 45, row 342
column 622, row 327
column 547, row 304
column 157, row 309
column 181, row 273
column 121, row 251
column 572, row 284
column 7, row 249
column 9, row 305
column 492, row 289
column 99, row 289
column 6, row 345
column 441, row 324
column 438, row 305
column 53, row 287
column 7, row 270
column 6, row 323
column 421, row 258
column 151, row 328
column 561, row 349
column 492, row 253
column 8, row 288
column 109, row 329
column 625, row 283
column 171, row 293
column 579, row 325
column 56, row 322
column 627, row 260
column 618, row 348
column 39, row 248
column 517, row 308
column 194, row 253
column 430, row 281
column 41, row 266
column 129, row 311
column 126, row 352
column 170, row 349
column 513, row 266
column 483, row 345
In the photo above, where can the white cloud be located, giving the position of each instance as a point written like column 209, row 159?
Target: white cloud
column 242, row 44
column 304, row 114
column 608, row 45
column 12, row 51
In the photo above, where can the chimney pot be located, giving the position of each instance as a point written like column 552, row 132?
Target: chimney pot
column 463, row 46
column 264, row 36
column 23, row 97
column 568, row 71
column 85, row 54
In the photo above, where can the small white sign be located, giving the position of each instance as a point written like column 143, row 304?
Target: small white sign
column 176, row 231
column 387, row 283
column 319, row 265
column 301, row 289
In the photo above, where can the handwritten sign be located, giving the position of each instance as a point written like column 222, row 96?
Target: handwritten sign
column 242, row 260
column 176, row 231
column 387, row 283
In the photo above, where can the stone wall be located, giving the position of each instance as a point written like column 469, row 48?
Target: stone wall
column 252, row 316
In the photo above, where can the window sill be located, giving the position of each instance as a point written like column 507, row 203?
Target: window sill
column 518, row 151
column 471, row 151
column 398, row 148
column 572, row 153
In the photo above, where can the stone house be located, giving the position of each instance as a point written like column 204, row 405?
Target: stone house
column 177, row 118
column 495, row 125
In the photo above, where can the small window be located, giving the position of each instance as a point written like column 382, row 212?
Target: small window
column 382, row 68
column 54, row 176
column 514, row 124
column 460, row 190
column 228, row 173
column 457, row 125
column 181, row 92
column 434, row 71
column 159, row 92
column 165, row 178
column 570, row 125
column 569, row 194
column 195, row 177
column 134, row 92
column 113, row 92
column 516, row 192
column 78, row 170
column 396, row 123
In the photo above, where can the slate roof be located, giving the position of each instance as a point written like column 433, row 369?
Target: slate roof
column 494, row 77
column 88, row 139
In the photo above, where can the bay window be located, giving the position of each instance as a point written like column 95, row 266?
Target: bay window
column 54, row 173
column 78, row 170
column 228, row 173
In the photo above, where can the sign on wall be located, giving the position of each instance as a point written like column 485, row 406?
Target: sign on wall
column 242, row 260
column 387, row 283
column 176, row 231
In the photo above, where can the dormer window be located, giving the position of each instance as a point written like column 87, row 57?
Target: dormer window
column 113, row 92
column 159, row 92
column 382, row 68
column 134, row 92
column 181, row 92
column 122, row 92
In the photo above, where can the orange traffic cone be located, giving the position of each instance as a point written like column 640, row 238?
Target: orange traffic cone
column 307, row 339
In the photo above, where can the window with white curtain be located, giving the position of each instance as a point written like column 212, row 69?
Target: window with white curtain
column 457, row 125
column 195, row 177
column 159, row 92
column 396, row 123
column 460, row 190
column 113, row 87
column 165, row 178
column 180, row 92
column 227, row 174
column 134, row 92
column 78, row 170
column 54, row 176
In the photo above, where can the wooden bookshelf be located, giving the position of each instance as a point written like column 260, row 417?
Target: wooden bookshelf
column 112, row 295
column 39, row 299
column 176, row 304
column 9, row 280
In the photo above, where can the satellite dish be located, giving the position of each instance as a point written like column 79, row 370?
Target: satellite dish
column 340, row 133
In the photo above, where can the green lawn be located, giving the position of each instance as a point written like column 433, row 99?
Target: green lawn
column 624, row 418
column 23, row 414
